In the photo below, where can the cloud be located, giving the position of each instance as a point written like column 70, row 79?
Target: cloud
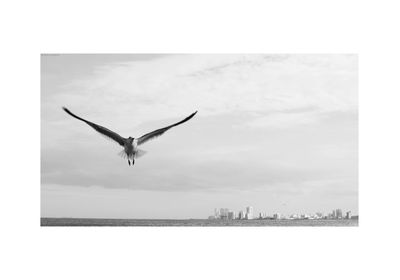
column 214, row 84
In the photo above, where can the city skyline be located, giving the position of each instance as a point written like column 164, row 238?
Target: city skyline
column 248, row 214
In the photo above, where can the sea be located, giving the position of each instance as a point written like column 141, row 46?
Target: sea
column 197, row 222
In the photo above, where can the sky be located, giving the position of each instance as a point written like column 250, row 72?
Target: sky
column 275, row 132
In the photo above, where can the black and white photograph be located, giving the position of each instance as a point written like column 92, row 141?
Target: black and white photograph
column 199, row 140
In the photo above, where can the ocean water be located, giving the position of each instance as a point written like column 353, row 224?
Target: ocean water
column 196, row 222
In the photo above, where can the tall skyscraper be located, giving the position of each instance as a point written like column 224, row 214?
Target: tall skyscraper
column 217, row 213
column 339, row 214
column 231, row 215
column 348, row 215
column 249, row 213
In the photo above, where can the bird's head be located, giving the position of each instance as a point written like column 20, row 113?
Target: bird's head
column 131, row 139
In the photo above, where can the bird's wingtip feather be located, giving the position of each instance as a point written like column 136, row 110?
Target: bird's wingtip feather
column 66, row 110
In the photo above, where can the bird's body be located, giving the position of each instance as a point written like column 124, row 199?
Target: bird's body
column 130, row 144
column 131, row 149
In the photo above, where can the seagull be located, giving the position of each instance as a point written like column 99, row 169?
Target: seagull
column 130, row 144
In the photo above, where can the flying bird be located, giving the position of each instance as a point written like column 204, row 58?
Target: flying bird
column 130, row 144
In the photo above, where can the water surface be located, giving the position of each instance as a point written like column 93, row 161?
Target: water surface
column 194, row 222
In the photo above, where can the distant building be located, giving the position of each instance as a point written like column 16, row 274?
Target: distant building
column 339, row 214
column 277, row 216
column 224, row 213
column 241, row 215
column 262, row 215
column 348, row 215
column 249, row 213
column 217, row 213
column 231, row 215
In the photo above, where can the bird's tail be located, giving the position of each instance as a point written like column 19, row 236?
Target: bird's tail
column 138, row 154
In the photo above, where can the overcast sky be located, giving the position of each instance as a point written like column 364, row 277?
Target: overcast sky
column 276, row 132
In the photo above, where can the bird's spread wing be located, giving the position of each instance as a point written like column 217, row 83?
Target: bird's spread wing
column 160, row 131
column 101, row 129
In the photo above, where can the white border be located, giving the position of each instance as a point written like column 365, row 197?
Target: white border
column 30, row 28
